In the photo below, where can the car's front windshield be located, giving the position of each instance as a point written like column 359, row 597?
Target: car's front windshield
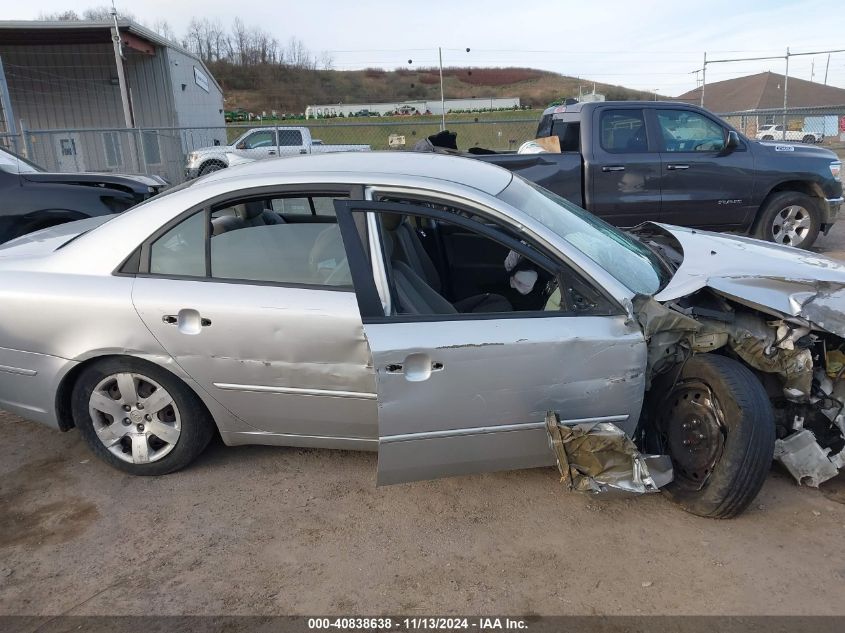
column 629, row 261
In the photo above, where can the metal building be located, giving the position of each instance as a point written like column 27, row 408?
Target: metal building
column 106, row 106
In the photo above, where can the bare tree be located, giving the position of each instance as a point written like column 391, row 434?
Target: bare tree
column 326, row 60
column 297, row 55
column 60, row 16
column 162, row 27
column 103, row 14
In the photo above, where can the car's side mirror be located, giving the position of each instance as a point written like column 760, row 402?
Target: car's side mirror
column 731, row 143
column 241, row 145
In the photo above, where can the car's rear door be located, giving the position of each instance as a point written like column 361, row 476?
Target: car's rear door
column 467, row 393
column 259, row 310
column 622, row 167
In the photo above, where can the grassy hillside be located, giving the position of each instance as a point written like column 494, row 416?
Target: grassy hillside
column 286, row 89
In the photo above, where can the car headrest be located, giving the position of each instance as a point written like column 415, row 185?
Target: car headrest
column 391, row 221
column 253, row 209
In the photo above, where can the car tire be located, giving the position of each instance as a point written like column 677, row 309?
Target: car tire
column 790, row 218
column 210, row 167
column 767, row 137
column 808, row 138
column 713, row 417
column 159, row 433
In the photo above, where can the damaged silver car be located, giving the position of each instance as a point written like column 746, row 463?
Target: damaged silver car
column 442, row 311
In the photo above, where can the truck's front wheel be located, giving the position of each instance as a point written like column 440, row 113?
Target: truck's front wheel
column 789, row 218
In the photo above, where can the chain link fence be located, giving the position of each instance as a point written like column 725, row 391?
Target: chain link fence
column 164, row 151
column 821, row 126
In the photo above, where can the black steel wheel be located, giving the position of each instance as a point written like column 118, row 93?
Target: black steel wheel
column 714, row 419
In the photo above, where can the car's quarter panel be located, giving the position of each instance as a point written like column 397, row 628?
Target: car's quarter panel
column 286, row 360
column 50, row 322
column 472, row 394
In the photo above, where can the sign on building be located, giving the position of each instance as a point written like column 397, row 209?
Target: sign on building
column 201, row 79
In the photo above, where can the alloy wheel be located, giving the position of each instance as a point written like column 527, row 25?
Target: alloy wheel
column 134, row 417
column 791, row 225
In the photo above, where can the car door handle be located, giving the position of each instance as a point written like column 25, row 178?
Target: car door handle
column 416, row 368
column 676, row 167
column 613, row 168
column 303, row 151
column 272, row 152
column 188, row 321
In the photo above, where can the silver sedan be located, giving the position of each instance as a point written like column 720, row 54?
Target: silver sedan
column 439, row 310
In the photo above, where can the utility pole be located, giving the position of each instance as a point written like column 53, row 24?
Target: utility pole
column 812, row 68
column 703, row 78
column 826, row 67
column 121, row 76
column 442, row 98
column 785, row 92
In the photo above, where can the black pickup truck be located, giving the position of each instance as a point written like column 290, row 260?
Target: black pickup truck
column 632, row 161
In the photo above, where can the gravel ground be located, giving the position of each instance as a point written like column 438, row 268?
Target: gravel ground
column 255, row 530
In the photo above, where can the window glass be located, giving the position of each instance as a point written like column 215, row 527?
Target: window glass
column 623, row 131
column 152, row 151
column 252, row 241
column 685, row 131
column 629, row 261
column 292, row 206
column 449, row 269
column 181, row 251
column 111, row 144
column 324, row 206
column 288, row 138
column 569, row 133
column 257, row 140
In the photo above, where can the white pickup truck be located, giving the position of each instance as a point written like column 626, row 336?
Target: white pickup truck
column 259, row 143
column 775, row 133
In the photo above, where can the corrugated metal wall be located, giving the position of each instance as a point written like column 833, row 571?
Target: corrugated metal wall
column 63, row 86
column 194, row 106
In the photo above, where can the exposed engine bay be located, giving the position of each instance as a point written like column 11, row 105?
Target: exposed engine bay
column 800, row 364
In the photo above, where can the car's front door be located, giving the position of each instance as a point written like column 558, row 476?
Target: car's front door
column 259, row 144
column 465, row 392
column 701, row 185
column 257, row 306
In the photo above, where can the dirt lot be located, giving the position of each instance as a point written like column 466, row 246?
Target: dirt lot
column 257, row 530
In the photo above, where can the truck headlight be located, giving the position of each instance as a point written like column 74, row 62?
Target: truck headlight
column 192, row 157
column 836, row 170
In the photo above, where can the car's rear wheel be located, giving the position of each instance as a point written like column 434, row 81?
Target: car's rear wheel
column 768, row 137
column 789, row 218
column 138, row 417
column 714, row 419
column 808, row 138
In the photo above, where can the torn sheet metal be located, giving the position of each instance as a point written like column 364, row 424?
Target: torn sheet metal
column 808, row 462
column 769, row 277
column 593, row 457
column 771, row 347
column 665, row 330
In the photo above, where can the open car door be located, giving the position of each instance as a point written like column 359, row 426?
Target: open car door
column 468, row 393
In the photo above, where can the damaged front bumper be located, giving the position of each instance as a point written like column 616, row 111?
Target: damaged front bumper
column 597, row 456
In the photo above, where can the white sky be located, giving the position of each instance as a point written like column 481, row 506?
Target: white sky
column 644, row 44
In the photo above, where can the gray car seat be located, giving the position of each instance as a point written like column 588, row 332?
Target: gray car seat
column 416, row 279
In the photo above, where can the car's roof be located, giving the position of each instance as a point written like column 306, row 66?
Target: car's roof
column 363, row 166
